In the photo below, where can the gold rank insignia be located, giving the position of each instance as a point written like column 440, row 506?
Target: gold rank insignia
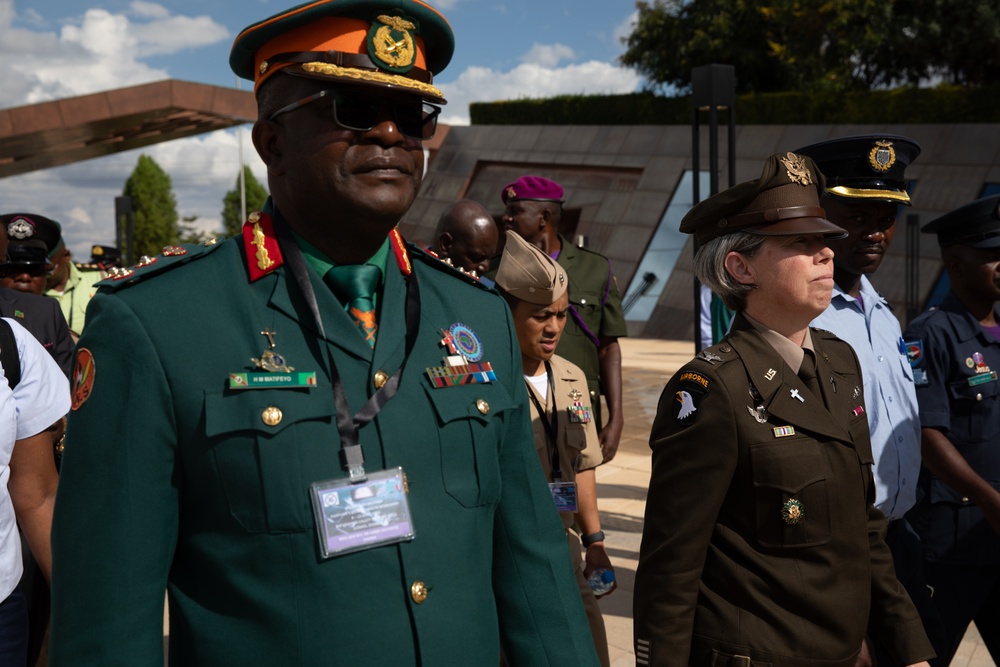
column 390, row 42
column 882, row 156
column 798, row 172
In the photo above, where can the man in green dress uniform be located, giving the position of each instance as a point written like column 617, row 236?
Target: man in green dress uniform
column 323, row 455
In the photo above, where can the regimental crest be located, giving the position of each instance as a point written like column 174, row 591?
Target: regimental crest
column 20, row 228
column 390, row 42
column 882, row 156
column 798, row 172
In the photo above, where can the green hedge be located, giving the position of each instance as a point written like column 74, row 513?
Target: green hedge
column 944, row 104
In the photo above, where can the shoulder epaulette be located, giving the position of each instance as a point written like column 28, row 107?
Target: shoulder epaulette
column 87, row 267
column 444, row 265
column 147, row 266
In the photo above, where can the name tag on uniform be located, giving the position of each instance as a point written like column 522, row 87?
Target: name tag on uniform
column 354, row 517
column 564, row 495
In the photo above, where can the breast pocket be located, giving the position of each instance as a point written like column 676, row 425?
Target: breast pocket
column 974, row 417
column 790, row 493
column 258, row 437
column 470, row 425
column 588, row 306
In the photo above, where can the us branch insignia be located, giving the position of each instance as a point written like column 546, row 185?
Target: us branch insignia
column 390, row 42
column 798, row 172
column 882, row 156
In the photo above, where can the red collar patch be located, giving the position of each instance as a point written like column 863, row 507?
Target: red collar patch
column 402, row 256
column 261, row 246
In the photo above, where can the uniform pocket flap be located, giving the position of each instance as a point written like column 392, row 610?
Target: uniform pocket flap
column 942, row 493
column 265, row 410
column 471, row 401
column 974, row 392
column 788, row 467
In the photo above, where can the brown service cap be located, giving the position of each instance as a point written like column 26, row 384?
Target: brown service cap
column 784, row 201
column 528, row 274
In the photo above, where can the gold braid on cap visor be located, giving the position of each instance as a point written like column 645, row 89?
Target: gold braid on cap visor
column 368, row 75
column 858, row 193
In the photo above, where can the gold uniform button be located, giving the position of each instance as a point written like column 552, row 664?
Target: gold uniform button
column 271, row 416
column 418, row 591
column 483, row 406
column 381, row 377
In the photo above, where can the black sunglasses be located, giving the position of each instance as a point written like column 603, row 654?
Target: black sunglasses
column 415, row 119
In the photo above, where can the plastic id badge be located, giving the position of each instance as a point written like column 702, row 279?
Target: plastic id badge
column 564, row 495
column 354, row 517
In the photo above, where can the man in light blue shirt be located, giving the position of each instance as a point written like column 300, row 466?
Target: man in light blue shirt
column 864, row 188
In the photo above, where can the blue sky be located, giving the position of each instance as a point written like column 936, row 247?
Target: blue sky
column 505, row 49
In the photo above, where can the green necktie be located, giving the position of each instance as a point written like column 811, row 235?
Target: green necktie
column 355, row 285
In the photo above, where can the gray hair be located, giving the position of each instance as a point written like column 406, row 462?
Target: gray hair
column 710, row 266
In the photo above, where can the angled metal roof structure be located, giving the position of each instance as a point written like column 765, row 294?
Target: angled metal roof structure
column 51, row 134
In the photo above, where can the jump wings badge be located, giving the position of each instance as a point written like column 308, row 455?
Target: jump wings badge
column 390, row 42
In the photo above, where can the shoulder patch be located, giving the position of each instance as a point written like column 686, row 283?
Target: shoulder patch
column 425, row 257
column 914, row 351
column 147, row 266
column 692, row 388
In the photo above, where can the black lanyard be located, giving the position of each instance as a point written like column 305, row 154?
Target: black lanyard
column 352, row 458
column 552, row 425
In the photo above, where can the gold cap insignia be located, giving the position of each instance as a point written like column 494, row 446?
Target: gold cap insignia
column 882, row 156
column 798, row 172
column 390, row 42
column 511, row 194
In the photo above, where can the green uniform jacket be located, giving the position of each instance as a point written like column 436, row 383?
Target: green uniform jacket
column 722, row 571
column 175, row 482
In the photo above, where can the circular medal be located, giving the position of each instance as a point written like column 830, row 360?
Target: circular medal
column 466, row 342
column 792, row 512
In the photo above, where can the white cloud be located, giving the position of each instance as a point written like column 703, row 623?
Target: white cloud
column 96, row 51
column 202, row 170
column 149, row 10
column 548, row 55
column 625, row 28
column 481, row 84
column 445, row 5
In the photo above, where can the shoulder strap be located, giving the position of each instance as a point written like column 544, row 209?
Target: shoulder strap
column 8, row 354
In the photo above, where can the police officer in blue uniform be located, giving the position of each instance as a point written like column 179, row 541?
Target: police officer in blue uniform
column 955, row 354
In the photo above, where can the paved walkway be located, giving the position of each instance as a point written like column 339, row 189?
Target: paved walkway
column 621, row 487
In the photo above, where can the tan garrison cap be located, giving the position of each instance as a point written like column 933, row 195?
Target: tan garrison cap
column 528, row 274
column 784, row 201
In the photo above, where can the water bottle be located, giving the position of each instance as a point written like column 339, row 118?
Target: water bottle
column 601, row 581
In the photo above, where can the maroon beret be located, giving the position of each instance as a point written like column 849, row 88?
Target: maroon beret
column 532, row 188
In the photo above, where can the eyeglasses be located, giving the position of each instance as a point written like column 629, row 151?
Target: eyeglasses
column 33, row 270
column 415, row 119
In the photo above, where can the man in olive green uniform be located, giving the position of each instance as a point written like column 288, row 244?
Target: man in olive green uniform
column 534, row 210
column 761, row 545
column 561, row 416
column 325, row 458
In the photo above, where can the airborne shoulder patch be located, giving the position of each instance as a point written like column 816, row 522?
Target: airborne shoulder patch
column 692, row 388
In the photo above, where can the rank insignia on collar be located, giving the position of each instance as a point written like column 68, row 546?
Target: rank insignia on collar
column 792, row 512
column 260, row 244
column 710, row 357
column 882, row 156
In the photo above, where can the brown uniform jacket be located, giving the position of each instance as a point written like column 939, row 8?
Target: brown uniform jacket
column 725, row 569
column 577, row 442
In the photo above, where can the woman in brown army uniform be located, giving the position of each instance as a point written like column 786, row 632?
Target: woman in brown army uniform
column 535, row 287
column 761, row 545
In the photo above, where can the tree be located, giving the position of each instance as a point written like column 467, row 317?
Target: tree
column 154, row 207
column 812, row 45
column 232, row 219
